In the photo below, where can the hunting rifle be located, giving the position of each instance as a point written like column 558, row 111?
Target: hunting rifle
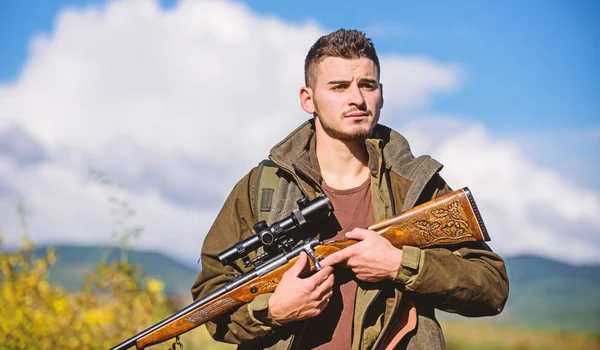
column 447, row 220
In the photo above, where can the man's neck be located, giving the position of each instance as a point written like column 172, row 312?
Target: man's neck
column 343, row 163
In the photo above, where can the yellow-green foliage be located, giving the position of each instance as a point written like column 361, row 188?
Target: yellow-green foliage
column 471, row 334
column 112, row 307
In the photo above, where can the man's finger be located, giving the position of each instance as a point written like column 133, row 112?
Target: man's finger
column 322, row 275
column 298, row 266
column 326, row 285
column 337, row 257
column 326, row 297
column 327, row 278
column 358, row 234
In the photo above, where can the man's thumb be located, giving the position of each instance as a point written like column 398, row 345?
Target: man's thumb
column 299, row 265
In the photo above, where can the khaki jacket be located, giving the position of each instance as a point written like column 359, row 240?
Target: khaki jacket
column 469, row 280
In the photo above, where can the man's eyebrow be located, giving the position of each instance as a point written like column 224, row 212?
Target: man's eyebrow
column 361, row 80
column 368, row 80
column 334, row 82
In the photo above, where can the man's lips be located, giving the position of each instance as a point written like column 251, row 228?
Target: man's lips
column 357, row 115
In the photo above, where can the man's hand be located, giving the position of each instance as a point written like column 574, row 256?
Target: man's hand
column 372, row 259
column 298, row 298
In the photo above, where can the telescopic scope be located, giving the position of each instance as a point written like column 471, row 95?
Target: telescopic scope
column 307, row 211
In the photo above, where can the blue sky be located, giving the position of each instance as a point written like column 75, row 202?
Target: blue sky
column 504, row 94
column 531, row 65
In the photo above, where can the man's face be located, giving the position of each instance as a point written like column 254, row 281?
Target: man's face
column 346, row 97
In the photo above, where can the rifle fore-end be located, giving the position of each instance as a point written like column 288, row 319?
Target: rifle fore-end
column 221, row 305
column 188, row 321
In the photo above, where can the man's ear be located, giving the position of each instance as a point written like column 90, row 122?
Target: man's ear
column 381, row 88
column 306, row 100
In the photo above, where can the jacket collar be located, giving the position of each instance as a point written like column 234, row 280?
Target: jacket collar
column 297, row 154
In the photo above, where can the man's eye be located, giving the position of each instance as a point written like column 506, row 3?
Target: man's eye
column 339, row 87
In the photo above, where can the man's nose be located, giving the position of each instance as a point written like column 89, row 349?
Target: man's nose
column 356, row 96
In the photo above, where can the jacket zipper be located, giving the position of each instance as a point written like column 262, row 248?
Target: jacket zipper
column 391, row 197
column 386, row 173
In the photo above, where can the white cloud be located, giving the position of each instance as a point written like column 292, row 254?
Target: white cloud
column 574, row 153
column 178, row 104
column 526, row 208
column 66, row 205
column 413, row 81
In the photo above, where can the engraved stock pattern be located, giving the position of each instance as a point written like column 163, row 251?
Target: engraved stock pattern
column 443, row 225
column 210, row 311
column 270, row 285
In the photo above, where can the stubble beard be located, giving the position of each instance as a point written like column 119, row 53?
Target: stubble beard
column 357, row 131
column 360, row 129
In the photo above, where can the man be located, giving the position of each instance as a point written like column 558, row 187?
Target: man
column 378, row 296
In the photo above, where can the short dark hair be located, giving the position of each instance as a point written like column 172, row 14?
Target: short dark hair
column 349, row 44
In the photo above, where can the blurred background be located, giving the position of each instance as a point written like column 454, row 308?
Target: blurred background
column 126, row 124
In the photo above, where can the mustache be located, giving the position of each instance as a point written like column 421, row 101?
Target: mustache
column 357, row 110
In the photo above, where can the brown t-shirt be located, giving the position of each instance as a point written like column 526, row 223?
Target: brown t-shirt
column 332, row 329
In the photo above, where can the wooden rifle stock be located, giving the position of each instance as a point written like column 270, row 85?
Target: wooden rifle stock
column 448, row 220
